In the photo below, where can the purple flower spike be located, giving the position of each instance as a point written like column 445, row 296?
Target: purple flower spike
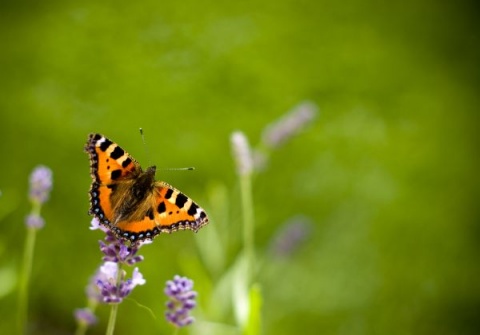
column 182, row 301
column 291, row 235
column 129, row 285
column 289, row 125
column 117, row 250
column 242, row 153
column 34, row 221
column 112, row 286
column 85, row 316
column 92, row 290
column 137, row 278
column 40, row 184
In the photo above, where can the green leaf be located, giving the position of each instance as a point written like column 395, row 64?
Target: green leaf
column 253, row 324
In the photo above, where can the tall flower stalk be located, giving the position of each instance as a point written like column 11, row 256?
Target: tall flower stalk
column 248, row 293
column 245, row 308
column 40, row 187
column 244, row 162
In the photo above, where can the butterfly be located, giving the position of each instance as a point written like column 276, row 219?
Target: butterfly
column 129, row 201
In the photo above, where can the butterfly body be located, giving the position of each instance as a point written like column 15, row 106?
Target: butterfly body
column 130, row 201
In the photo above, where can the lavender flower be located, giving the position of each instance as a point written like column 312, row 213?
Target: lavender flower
column 40, row 187
column 242, row 153
column 181, row 301
column 95, row 224
column 92, row 291
column 291, row 235
column 40, row 184
column 114, row 249
column 112, row 284
column 85, row 316
column 118, row 252
column 279, row 132
column 34, row 221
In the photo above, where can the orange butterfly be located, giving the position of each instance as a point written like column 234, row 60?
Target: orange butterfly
column 130, row 201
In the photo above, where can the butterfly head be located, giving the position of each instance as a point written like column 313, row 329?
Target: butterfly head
column 151, row 170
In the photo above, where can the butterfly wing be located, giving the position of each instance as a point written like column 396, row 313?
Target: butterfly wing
column 112, row 170
column 170, row 211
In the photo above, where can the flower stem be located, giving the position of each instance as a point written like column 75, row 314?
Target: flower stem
column 248, row 223
column 112, row 319
column 175, row 331
column 113, row 312
column 25, row 279
column 26, row 272
column 81, row 328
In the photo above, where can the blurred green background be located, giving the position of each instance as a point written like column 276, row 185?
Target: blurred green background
column 387, row 174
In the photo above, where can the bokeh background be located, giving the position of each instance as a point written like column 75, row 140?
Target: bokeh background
column 386, row 176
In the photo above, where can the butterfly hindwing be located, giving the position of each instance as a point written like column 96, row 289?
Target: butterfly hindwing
column 129, row 201
column 175, row 211
column 171, row 210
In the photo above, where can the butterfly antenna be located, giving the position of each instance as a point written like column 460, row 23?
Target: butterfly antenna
column 179, row 169
column 145, row 146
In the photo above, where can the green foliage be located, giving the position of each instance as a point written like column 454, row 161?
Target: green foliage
column 387, row 174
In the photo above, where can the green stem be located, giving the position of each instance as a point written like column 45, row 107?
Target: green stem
column 113, row 312
column 81, row 328
column 175, row 331
column 26, row 272
column 112, row 319
column 25, row 279
column 248, row 223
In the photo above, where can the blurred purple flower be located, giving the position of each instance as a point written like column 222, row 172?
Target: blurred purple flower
column 40, row 184
column 85, row 316
column 289, row 125
column 181, row 301
column 241, row 153
column 113, row 286
column 34, row 221
column 92, row 290
column 290, row 236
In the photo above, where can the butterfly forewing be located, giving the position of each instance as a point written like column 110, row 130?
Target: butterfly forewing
column 109, row 162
